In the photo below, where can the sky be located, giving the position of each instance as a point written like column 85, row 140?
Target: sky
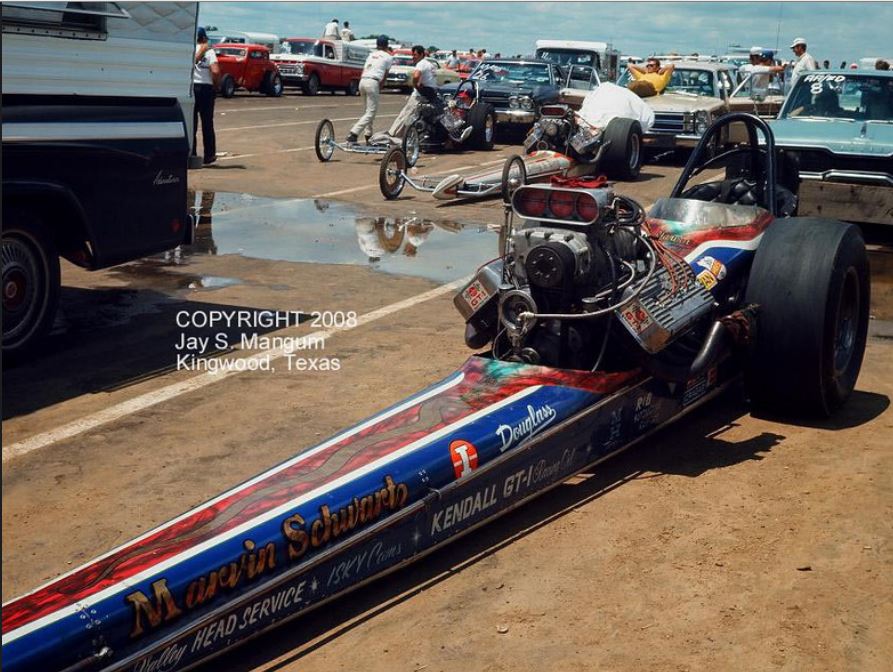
column 835, row 31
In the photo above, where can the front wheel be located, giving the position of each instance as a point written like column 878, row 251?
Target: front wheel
column 810, row 282
column 390, row 173
column 412, row 145
column 482, row 118
column 325, row 140
column 311, row 88
column 514, row 175
column 274, row 85
column 30, row 281
column 623, row 157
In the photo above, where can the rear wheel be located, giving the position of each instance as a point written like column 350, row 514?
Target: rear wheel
column 482, row 118
column 325, row 140
column 30, row 281
column 411, row 145
column 390, row 173
column 623, row 157
column 273, row 84
column 514, row 175
column 227, row 86
column 353, row 88
column 311, row 88
column 810, row 280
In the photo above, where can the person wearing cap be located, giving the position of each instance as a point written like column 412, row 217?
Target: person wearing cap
column 804, row 61
column 375, row 71
column 332, row 30
column 655, row 75
column 205, row 73
column 760, row 70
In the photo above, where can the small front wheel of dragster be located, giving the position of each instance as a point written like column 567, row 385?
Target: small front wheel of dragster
column 325, row 140
column 482, row 118
column 411, row 145
column 623, row 157
column 514, row 175
column 390, row 173
column 810, row 283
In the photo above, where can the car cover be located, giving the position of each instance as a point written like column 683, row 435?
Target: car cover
column 608, row 101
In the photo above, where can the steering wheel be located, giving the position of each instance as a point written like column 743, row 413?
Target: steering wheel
column 472, row 91
column 762, row 172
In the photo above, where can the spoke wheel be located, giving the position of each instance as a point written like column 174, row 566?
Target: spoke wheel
column 325, row 140
column 390, row 173
column 514, row 175
column 412, row 146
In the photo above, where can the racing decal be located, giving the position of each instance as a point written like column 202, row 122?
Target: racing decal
column 716, row 268
column 707, row 279
column 536, row 420
column 464, row 457
column 636, row 317
column 475, row 294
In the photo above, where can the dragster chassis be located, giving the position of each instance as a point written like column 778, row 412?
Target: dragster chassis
column 366, row 502
column 380, row 143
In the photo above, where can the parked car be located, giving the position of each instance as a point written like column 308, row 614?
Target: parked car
column 268, row 40
column 400, row 74
column 517, row 88
column 838, row 126
column 466, row 66
column 247, row 66
column 698, row 93
column 315, row 64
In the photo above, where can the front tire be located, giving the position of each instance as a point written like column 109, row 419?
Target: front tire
column 273, row 86
column 228, row 87
column 623, row 158
column 412, row 145
column 31, row 281
column 325, row 141
column 514, row 175
column 311, row 88
column 390, row 178
column 810, row 280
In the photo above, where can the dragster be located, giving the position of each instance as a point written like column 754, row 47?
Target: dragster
column 597, row 326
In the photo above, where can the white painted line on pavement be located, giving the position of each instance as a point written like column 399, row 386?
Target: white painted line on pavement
column 275, row 151
column 307, row 108
column 293, row 123
column 144, row 401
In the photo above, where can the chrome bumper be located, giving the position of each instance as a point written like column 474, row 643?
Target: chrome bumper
column 669, row 141
column 849, row 176
column 515, row 117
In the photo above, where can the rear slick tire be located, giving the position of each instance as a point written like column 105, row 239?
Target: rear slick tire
column 623, row 158
column 810, row 281
column 482, row 118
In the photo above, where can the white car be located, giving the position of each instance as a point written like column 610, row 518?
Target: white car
column 400, row 74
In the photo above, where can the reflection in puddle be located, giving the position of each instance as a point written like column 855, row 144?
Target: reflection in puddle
column 330, row 232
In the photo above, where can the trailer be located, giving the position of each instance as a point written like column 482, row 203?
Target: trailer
column 97, row 127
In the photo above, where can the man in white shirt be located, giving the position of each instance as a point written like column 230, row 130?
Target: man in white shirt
column 759, row 72
column 375, row 70
column 332, row 30
column 205, row 74
column 804, row 60
column 346, row 32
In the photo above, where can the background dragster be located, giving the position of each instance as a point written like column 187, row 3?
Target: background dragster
column 600, row 325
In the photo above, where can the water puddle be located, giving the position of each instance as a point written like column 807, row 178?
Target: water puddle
column 330, row 232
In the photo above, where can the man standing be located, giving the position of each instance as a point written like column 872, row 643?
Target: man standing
column 658, row 77
column 760, row 70
column 346, row 32
column 375, row 70
column 332, row 30
column 804, row 61
column 453, row 61
column 205, row 74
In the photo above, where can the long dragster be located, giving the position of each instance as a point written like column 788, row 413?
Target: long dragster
column 603, row 325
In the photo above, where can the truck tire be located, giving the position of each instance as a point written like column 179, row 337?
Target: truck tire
column 30, row 281
column 622, row 160
column 353, row 89
column 810, row 282
column 227, row 86
column 482, row 118
column 273, row 84
column 390, row 181
column 311, row 88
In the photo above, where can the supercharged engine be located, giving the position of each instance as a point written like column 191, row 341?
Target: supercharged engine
column 581, row 286
column 557, row 129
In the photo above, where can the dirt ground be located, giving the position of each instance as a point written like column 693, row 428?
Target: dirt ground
column 724, row 542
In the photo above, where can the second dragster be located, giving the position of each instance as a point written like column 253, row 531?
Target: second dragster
column 599, row 325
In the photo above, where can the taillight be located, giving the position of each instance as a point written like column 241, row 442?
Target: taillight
column 531, row 202
column 587, row 208
column 175, row 225
column 561, row 203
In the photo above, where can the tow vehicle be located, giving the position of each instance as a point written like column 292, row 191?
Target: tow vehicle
column 599, row 325
column 316, row 65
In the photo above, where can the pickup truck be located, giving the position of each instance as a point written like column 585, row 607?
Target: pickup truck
column 247, row 66
column 313, row 65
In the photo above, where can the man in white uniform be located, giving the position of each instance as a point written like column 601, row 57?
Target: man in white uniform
column 332, row 30
column 346, row 32
column 375, row 70
column 760, row 73
column 804, row 60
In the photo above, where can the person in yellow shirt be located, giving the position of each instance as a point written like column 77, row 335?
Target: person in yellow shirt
column 655, row 75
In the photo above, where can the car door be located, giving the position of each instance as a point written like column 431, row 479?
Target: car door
column 765, row 104
column 255, row 68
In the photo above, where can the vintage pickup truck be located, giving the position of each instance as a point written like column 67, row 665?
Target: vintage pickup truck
column 314, row 64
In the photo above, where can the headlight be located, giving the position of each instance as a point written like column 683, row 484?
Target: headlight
column 526, row 103
column 702, row 121
column 513, row 102
column 447, row 97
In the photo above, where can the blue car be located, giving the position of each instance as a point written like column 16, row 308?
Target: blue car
column 838, row 128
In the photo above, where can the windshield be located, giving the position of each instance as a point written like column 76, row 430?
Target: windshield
column 302, row 47
column 684, row 80
column 519, row 73
column 403, row 59
column 568, row 57
column 849, row 96
column 230, row 51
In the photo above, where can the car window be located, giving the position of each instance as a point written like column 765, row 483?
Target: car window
column 856, row 97
column 256, row 54
column 230, row 51
column 699, row 82
column 403, row 59
column 330, row 51
column 522, row 73
column 302, row 47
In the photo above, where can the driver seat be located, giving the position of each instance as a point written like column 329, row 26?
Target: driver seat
column 741, row 191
